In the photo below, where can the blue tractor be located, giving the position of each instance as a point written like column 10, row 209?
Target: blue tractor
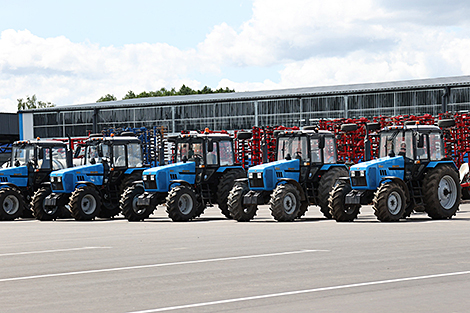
column 110, row 164
column 412, row 173
column 202, row 175
column 29, row 167
column 304, row 173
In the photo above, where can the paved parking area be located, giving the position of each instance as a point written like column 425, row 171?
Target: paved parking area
column 218, row 265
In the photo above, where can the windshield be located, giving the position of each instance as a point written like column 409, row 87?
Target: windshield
column 400, row 142
column 92, row 155
column 59, row 158
column 22, row 155
column 189, row 151
column 292, row 147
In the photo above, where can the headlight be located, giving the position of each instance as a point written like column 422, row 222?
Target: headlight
column 260, row 175
column 250, row 175
column 145, row 177
column 152, row 177
column 59, row 179
column 353, row 173
column 362, row 173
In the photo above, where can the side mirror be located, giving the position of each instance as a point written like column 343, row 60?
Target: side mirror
column 349, row 127
column 321, row 142
column 421, row 141
column 41, row 153
column 100, row 151
column 210, row 145
column 373, row 126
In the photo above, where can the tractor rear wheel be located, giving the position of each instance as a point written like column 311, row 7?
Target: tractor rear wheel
column 239, row 211
column 389, row 202
column 129, row 207
column 85, row 203
column 12, row 204
column 182, row 204
column 42, row 212
column 223, row 189
column 285, row 203
column 441, row 192
column 340, row 211
column 327, row 183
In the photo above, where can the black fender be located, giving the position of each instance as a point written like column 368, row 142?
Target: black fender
column 181, row 182
column 399, row 181
column 296, row 184
column 87, row 183
column 8, row 184
column 241, row 180
column 138, row 183
column 46, row 184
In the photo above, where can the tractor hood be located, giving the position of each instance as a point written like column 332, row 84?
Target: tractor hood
column 15, row 175
column 159, row 179
column 265, row 176
column 65, row 180
column 367, row 175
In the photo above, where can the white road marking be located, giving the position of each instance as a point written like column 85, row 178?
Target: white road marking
column 297, row 292
column 52, row 251
column 104, row 270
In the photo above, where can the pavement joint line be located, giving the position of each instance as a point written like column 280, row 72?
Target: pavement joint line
column 52, row 251
column 116, row 269
column 297, row 292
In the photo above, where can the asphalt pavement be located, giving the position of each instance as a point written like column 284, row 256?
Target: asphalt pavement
column 217, row 265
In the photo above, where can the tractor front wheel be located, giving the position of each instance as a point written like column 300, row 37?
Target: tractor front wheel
column 389, row 202
column 340, row 211
column 285, row 203
column 129, row 207
column 239, row 211
column 85, row 203
column 182, row 204
column 42, row 212
column 12, row 204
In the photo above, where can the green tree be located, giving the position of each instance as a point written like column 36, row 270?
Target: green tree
column 130, row 95
column 108, row 97
column 32, row 103
column 163, row 92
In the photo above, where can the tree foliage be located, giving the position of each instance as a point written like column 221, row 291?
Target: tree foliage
column 108, row 97
column 163, row 92
column 32, row 103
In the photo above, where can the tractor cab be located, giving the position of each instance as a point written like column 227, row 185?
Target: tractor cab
column 31, row 163
column 304, row 172
column 412, row 173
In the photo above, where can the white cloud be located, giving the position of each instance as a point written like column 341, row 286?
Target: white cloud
column 314, row 42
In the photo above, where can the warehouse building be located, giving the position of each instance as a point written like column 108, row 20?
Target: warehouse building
column 243, row 110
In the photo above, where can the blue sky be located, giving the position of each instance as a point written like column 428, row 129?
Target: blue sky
column 74, row 52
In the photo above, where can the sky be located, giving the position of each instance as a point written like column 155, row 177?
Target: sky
column 74, row 52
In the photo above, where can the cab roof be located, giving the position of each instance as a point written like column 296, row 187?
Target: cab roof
column 419, row 128
column 41, row 143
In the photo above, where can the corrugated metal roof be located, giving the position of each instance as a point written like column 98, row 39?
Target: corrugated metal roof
column 272, row 94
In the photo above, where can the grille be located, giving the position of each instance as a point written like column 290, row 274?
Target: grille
column 57, row 186
column 150, row 184
column 359, row 181
column 80, row 178
column 383, row 172
column 173, row 176
column 3, row 179
column 256, row 182
column 279, row 174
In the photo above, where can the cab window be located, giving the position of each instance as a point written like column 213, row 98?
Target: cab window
column 119, row 155
column 134, row 155
column 315, row 151
column 226, row 153
column 329, row 151
column 436, row 147
column 211, row 157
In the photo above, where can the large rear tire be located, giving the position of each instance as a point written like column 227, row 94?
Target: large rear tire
column 129, row 207
column 11, row 204
column 239, row 211
column 285, row 203
column 442, row 192
column 226, row 182
column 389, row 202
column 42, row 212
column 182, row 204
column 85, row 203
column 327, row 182
column 340, row 211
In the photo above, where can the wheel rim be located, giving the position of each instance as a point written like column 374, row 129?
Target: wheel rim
column 447, row 192
column 137, row 209
column 88, row 204
column 185, row 203
column 394, row 202
column 11, row 204
column 290, row 203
